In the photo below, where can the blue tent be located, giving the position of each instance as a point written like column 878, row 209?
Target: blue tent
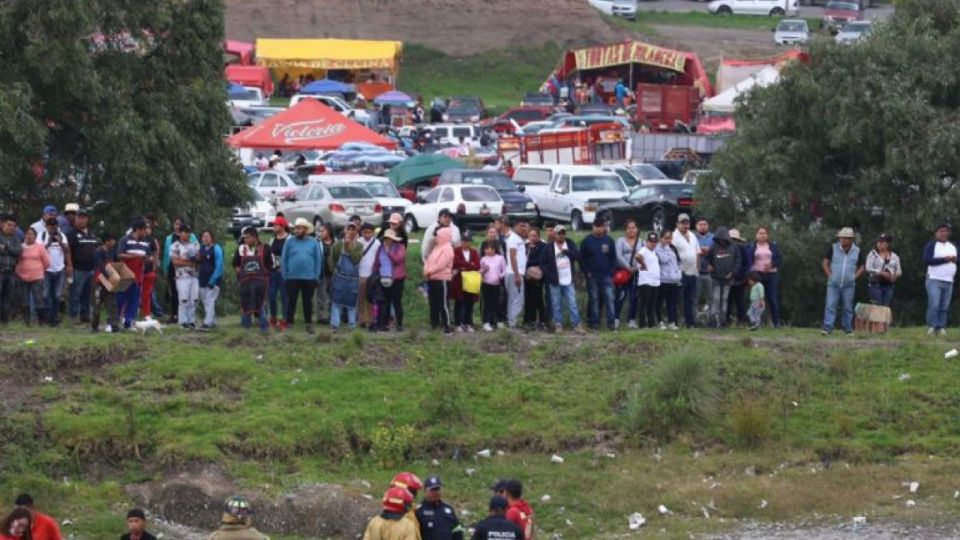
column 236, row 91
column 395, row 97
column 325, row 86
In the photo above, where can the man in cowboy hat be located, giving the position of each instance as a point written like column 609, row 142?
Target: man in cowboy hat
column 843, row 263
column 300, row 266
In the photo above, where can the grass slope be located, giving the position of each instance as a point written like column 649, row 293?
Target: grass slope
column 648, row 20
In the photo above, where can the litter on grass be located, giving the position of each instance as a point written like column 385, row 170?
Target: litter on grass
column 636, row 520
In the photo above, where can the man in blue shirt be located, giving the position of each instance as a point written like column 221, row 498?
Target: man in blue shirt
column 621, row 93
column 598, row 260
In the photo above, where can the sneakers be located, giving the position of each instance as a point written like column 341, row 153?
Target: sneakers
column 580, row 329
column 754, row 327
column 663, row 326
column 468, row 329
column 931, row 331
column 616, row 324
column 632, row 325
column 824, row 332
column 487, row 327
column 459, row 329
column 501, row 326
column 673, row 327
column 558, row 329
column 942, row 332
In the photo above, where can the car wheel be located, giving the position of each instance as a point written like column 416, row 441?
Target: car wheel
column 724, row 10
column 410, row 224
column 777, row 12
column 659, row 221
column 576, row 221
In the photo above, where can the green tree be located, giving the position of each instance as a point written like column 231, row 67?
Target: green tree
column 115, row 101
column 865, row 136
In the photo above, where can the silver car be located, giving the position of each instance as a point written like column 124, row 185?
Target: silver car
column 853, row 32
column 333, row 204
column 791, row 32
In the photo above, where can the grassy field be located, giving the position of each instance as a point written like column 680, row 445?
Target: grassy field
column 648, row 20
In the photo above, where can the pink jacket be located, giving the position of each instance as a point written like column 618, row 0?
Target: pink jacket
column 493, row 269
column 33, row 263
column 439, row 265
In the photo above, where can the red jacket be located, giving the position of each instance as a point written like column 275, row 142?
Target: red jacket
column 521, row 514
column 460, row 263
column 45, row 527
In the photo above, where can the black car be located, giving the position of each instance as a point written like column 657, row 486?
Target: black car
column 464, row 109
column 654, row 206
column 515, row 201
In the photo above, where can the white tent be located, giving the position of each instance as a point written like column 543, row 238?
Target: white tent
column 725, row 101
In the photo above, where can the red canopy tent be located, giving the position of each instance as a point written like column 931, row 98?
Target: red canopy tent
column 308, row 125
column 257, row 76
column 241, row 49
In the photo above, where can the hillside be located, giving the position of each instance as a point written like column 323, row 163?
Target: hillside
column 452, row 26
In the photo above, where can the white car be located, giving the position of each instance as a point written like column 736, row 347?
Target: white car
column 444, row 134
column 791, row 32
column 853, row 32
column 360, row 116
column 617, row 8
column 772, row 8
column 575, row 192
column 382, row 190
column 252, row 97
column 475, row 207
column 259, row 213
column 273, row 184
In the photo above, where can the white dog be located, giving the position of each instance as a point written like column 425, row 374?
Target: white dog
column 148, row 324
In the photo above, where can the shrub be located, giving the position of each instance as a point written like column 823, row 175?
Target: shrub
column 391, row 445
column 750, row 419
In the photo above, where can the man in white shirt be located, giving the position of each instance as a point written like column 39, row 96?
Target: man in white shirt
column 61, row 268
column 516, row 267
column 370, row 247
column 688, row 251
column 940, row 256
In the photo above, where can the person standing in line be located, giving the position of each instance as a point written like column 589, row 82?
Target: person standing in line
column 492, row 269
column 150, row 271
column 444, row 221
column 252, row 262
column 598, row 260
column 83, row 246
column 558, row 268
column 534, row 311
column 757, row 300
column 670, row 281
column 516, row 256
column 724, row 261
column 391, row 265
column 166, row 267
column 688, row 252
column 627, row 247
column 501, row 223
column 437, row 271
column 465, row 259
column 843, row 264
column 764, row 257
column 278, row 313
column 395, row 224
column 345, row 281
column 326, row 239
column 737, row 306
column 300, row 267
column 31, row 268
column 648, row 282
column 883, row 271
column 10, row 250
column 210, row 275
column 548, row 238
column 940, row 257
column 49, row 211
column 59, row 271
column 184, row 254
column 705, row 277
column 370, row 247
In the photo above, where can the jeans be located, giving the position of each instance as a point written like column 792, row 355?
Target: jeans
column 392, row 298
column 32, row 300
column 463, row 312
column 938, row 302
column 323, row 299
column 690, row 300
column 627, row 294
column 599, row 289
column 246, row 322
column 188, row 291
column 80, row 292
column 771, row 289
column 208, row 297
column 490, row 294
column 128, row 303
column 303, row 288
column 103, row 297
column 648, row 296
column 704, row 291
column 437, row 291
column 277, row 289
column 755, row 314
column 514, row 299
column 52, row 289
column 882, row 295
column 718, row 304
column 6, row 296
column 560, row 294
column 335, row 312
column 668, row 294
column 844, row 296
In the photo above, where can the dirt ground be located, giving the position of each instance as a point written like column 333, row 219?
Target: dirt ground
column 456, row 27
column 714, row 44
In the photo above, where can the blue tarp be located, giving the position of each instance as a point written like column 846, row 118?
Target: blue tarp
column 236, row 91
column 394, row 97
column 324, row 86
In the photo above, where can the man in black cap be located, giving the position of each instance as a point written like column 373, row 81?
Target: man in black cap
column 83, row 249
column 137, row 526
column 496, row 526
column 438, row 520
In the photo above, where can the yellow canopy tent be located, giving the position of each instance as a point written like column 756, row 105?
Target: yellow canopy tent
column 317, row 56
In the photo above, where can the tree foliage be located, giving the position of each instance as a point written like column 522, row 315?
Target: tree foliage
column 115, row 101
column 864, row 136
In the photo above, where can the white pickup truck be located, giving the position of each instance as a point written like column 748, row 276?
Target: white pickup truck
column 574, row 193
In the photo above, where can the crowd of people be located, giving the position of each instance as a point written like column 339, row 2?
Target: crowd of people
column 510, row 516
column 519, row 275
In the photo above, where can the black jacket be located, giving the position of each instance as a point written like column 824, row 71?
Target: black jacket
column 548, row 261
column 438, row 521
column 145, row 536
column 504, row 529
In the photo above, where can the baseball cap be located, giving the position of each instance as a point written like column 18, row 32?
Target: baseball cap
column 500, row 485
column 83, row 212
column 885, row 237
column 498, row 503
column 559, row 229
column 683, row 217
column 652, row 237
column 49, row 209
column 433, row 482
column 71, row 207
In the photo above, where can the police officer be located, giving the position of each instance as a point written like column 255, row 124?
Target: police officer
column 438, row 520
column 497, row 526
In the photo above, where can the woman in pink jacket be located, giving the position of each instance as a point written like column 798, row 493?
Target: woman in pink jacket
column 438, row 270
column 33, row 263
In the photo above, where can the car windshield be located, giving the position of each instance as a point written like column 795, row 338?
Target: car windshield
column 845, row 6
column 857, row 27
column 648, row 172
column 792, row 26
column 381, row 189
column 349, row 192
column 498, row 181
column 464, row 103
column 461, row 132
column 478, row 194
column 248, row 94
column 598, row 183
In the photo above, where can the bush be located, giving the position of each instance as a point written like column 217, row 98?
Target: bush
column 679, row 395
column 750, row 419
column 391, row 445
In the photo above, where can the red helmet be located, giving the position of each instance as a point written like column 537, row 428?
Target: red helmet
column 408, row 481
column 396, row 500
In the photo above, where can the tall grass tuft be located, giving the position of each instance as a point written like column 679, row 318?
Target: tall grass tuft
column 750, row 419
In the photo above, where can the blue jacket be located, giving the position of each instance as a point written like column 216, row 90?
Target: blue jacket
column 776, row 257
column 598, row 256
column 215, row 267
column 301, row 259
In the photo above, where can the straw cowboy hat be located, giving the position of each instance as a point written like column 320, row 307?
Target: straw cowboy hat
column 392, row 234
column 300, row 222
column 735, row 235
column 846, row 232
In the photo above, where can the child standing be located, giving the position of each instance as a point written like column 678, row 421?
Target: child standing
column 492, row 267
column 103, row 297
column 757, row 300
column 465, row 259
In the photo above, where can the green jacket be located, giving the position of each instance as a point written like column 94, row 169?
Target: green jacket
column 10, row 250
column 355, row 253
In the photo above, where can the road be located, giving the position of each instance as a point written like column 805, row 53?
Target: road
column 805, row 11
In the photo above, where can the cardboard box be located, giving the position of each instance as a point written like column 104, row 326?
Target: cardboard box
column 117, row 277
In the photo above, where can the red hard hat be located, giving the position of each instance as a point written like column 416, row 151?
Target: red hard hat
column 407, row 480
column 396, row 500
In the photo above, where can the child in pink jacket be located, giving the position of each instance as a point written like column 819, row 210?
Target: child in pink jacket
column 31, row 268
column 492, row 268
column 438, row 270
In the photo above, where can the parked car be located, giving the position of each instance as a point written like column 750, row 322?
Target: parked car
column 259, row 213
column 532, row 128
column 475, row 207
column 791, row 32
column 575, row 192
column 361, row 116
column 654, row 206
column 772, row 8
column 464, row 109
column 837, row 14
column 617, row 8
column 333, row 204
column 516, row 203
column 519, row 116
column 533, row 99
column 586, row 121
column 381, row 188
column 250, row 97
column 596, row 109
column 446, row 134
column 853, row 32
column 274, row 184
column 647, row 171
